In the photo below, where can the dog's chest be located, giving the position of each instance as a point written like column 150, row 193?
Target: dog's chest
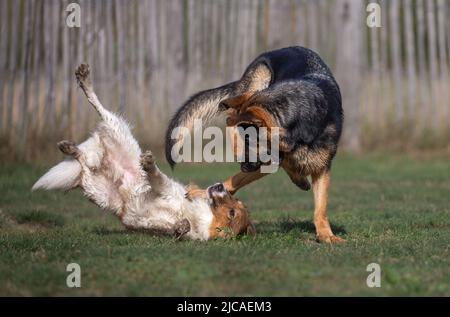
column 200, row 218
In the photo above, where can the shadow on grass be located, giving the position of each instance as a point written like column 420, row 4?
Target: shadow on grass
column 262, row 227
column 104, row 231
column 288, row 225
column 37, row 217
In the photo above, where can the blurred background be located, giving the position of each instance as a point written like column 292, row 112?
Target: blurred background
column 148, row 56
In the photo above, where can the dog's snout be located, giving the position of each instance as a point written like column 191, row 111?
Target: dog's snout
column 218, row 187
column 216, row 190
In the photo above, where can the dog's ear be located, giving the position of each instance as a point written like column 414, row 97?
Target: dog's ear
column 251, row 230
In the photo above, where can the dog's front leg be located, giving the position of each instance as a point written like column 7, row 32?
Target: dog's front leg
column 232, row 184
column 155, row 177
column 157, row 226
column 236, row 182
column 182, row 227
column 193, row 192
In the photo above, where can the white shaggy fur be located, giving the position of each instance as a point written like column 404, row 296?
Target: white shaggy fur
column 108, row 169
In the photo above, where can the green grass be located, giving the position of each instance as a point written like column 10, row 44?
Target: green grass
column 392, row 211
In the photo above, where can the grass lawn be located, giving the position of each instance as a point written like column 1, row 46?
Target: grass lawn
column 392, row 210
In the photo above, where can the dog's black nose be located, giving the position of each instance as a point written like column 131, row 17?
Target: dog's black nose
column 248, row 167
column 219, row 187
column 216, row 189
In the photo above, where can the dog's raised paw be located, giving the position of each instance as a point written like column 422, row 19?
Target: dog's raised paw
column 82, row 72
column 181, row 228
column 189, row 195
column 68, row 147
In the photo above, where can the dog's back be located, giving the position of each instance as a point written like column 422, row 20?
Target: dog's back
column 302, row 95
column 294, row 85
column 291, row 63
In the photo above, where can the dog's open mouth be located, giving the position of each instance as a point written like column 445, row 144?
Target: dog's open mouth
column 250, row 145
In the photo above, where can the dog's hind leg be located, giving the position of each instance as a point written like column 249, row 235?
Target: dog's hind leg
column 113, row 125
column 82, row 74
column 96, row 186
column 321, row 183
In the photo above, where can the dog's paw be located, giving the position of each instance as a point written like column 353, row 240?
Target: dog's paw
column 147, row 160
column 330, row 239
column 82, row 72
column 181, row 228
column 68, row 148
column 193, row 192
column 190, row 195
column 248, row 167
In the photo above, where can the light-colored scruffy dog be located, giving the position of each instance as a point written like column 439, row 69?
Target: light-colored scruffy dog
column 112, row 173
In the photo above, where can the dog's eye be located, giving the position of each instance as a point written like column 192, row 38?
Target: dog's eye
column 232, row 213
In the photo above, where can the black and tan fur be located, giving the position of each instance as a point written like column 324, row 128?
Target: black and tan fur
column 294, row 90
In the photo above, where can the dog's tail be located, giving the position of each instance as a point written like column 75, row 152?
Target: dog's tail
column 203, row 105
column 63, row 176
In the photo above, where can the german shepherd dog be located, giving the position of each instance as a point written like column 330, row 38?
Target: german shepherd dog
column 291, row 89
column 113, row 173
